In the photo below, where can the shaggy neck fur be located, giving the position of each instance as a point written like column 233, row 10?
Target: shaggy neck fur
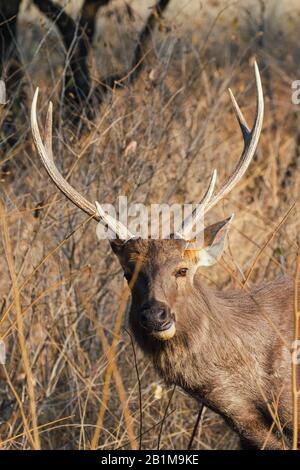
column 214, row 341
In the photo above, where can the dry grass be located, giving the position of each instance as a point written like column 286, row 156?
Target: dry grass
column 70, row 379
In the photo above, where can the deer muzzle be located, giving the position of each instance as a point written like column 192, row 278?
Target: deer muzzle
column 158, row 321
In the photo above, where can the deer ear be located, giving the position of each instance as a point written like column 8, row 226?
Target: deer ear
column 213, row 243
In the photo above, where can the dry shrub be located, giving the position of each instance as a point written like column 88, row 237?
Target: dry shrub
column 68, row 283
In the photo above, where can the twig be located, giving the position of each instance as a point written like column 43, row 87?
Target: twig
column 88, row 14
column 139, row 387
column 137, row 63
column 149, row 429
column 199, row 416
column 117, row 377
column 111, row 359
column 270, row 238
column 77, row 39
column 23, row 347
column 164, row 418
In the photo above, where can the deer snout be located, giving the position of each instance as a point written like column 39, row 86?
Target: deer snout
column 154, row 317
column 158, row 321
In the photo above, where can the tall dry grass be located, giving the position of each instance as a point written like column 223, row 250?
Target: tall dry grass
column 70, row 380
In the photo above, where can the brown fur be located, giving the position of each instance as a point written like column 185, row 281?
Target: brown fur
column 230, row 350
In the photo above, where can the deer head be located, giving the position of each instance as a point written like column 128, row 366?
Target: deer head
column 161, row 273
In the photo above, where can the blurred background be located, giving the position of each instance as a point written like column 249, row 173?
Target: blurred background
column 141, row 109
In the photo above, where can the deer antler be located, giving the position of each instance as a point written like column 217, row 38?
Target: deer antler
column 46, row 154
column 251, row 137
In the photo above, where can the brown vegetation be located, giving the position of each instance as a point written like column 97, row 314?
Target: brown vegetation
column 71, row 364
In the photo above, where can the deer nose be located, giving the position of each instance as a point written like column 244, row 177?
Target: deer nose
column 158, row 314
column 155, row 317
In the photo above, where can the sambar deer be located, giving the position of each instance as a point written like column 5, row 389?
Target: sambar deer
column 230, row 350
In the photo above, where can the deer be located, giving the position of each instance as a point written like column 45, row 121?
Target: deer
column 230, row 350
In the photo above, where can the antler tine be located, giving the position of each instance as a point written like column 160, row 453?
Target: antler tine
column 198, row 212
column 250, row 137
column 48, row 132
column 45, row 152
column 116, row 226
column 239, row 115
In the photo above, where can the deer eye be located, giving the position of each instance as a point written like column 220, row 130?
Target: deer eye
column 181, row 272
